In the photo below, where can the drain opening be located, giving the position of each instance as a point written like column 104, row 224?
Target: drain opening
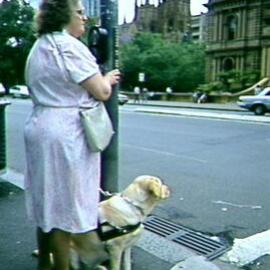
column 198, row 242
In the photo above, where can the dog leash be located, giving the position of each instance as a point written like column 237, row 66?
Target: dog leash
column 107, row 193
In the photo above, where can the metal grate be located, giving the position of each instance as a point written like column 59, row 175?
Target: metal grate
column 201, row 244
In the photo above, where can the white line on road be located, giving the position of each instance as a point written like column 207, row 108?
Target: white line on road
column 238, row 205
column 164, row 153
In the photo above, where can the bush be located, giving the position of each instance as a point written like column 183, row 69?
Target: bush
column 210, row 87
column 234, row 81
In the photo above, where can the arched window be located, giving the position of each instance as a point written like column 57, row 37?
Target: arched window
column 228, row 64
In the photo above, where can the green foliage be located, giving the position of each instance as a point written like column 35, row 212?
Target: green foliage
column 234, row 81
column 16, row 39
column 180, row 66
column 215, row 86
column 249, row 77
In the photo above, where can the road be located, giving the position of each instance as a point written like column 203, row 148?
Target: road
column 217, row 170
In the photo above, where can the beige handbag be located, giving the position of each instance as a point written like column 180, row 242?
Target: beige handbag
column 97, row 126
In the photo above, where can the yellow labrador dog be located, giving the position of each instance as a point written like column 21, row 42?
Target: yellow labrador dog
column 124, row 213
column 121, row 218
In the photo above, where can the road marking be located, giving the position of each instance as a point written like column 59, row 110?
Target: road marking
column 164, row 153
column 238, row 205
column 247, row 250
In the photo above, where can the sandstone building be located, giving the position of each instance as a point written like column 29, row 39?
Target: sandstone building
column 238, row 36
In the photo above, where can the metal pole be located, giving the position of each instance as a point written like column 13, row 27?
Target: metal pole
column 109, row 165
column 3, row 148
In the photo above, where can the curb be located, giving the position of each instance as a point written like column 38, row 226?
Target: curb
column 204, row 106
column 177, row 256
column 214, row 115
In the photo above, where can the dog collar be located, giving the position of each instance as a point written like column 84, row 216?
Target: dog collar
column 135, row 205
column 108, row 194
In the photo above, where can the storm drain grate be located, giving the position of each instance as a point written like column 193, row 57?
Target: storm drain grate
column 201, row 244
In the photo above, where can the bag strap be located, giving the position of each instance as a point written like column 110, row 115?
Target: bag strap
column 65, row 66
column 61, row 54
column 26, row 72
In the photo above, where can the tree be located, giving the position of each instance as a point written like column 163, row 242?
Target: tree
column 165, row 63
column 16, row 39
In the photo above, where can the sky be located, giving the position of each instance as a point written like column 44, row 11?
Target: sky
column 126, row 8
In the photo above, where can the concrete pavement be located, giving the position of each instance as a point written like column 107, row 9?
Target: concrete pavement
column 17, row 235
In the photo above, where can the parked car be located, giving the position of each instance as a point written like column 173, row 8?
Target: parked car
column 122, row 99
column 19, row 91
column 259, row 104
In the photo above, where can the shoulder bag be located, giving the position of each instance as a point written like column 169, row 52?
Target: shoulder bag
column 97, row 126
column 96, row 122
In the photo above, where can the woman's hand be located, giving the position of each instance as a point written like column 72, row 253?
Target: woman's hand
column 113, row 76
column 100, row 86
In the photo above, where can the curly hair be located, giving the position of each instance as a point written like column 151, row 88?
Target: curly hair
column 54, row 15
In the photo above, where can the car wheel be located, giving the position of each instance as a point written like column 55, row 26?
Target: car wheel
column 259, row 110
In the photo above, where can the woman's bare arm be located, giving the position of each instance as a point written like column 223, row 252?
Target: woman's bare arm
column 99, row 86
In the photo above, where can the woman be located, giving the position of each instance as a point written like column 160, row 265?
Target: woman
column 62, row 175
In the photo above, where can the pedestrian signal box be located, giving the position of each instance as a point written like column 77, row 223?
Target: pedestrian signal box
column 98, row 44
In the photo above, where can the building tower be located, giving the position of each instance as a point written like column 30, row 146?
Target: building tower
column 174, row 19
column 171, row 18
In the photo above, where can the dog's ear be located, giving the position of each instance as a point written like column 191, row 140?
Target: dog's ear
column 159, row 190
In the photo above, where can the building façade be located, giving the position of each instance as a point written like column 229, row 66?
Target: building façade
column 170, row 18
column 238, row 36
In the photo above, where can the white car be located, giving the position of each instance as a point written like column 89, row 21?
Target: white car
column 122, row 99
column 259, row 104
column 19, row 91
